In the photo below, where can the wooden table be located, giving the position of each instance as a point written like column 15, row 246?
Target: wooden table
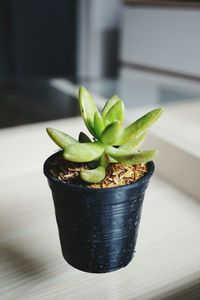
column 167, row 260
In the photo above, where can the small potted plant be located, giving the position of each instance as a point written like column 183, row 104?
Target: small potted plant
column 98, row 185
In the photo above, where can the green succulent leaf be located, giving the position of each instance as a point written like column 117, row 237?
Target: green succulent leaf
column 61, row 139
column 104, row 160
column 112, row 160
column 126, row 149
column 84, row 152
column 140, row 125
column 112, row 101
column 98, row 124
column 87, row 108
column 134, row 144
column 134, row 158
column 111, row 134
column 111, row 143
column 115, row 113
column 94, row 175
column 83, row 138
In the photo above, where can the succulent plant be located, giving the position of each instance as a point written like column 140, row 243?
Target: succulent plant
column 111, row 142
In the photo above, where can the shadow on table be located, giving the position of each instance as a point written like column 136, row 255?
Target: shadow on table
column 20, row 263
column 15, row 257
column 190, row 291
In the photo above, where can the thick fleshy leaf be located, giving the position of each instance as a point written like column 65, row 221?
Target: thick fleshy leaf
column 126, row 149
column 135, row 158
column 104, row 160
column 94, row 175
column 134, row 144
column 140, row 125
column 111, row 134
column 112, row 160
column 84, row 152
column 115, row 113
column 87, row 109
column 112, row 101
column 61, row 139
column 83, row 138
column 115, row 152
column 98, row 124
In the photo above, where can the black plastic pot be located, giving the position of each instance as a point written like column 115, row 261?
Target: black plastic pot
column 97, row 227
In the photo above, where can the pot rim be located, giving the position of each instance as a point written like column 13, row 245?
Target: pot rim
column 46, row 171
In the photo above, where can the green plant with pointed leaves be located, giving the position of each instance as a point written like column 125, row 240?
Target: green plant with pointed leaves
column 111, row 141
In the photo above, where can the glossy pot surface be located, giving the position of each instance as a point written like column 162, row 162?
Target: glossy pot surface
column 97, row 227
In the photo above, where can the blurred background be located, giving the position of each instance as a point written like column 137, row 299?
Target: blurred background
column 146, row 51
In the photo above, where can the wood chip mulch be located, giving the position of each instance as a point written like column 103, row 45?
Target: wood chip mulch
column 117, row 174
column 120, row 174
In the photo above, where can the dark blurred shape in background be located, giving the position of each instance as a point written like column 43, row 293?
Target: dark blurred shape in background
column 42, row 40
column 37, row 38
column 62, row 38
column 148, row 49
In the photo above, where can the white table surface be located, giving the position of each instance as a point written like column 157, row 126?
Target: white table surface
column 167, row 260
